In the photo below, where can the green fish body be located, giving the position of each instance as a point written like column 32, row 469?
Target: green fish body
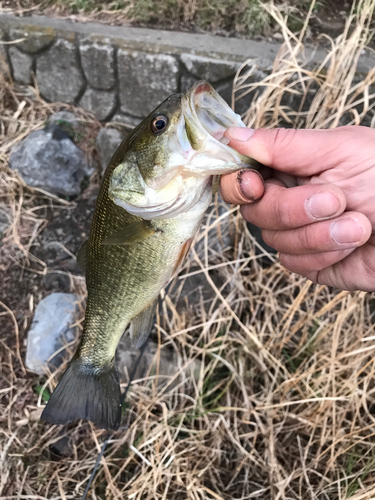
column 153, row 197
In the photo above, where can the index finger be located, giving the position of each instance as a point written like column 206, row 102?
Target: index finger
column 284, row 208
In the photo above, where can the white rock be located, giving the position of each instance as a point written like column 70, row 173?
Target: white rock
column 50, row 330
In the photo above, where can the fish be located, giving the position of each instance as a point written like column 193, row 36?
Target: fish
column 153, row 197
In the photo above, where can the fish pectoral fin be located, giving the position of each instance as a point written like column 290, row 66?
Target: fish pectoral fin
column 82, row 256
column 140, row 326
column 131, row 234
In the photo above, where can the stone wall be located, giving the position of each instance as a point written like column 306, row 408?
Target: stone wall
column 116, row 73
column 122, row 73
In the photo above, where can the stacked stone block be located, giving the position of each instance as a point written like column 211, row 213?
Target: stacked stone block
column 112, row 81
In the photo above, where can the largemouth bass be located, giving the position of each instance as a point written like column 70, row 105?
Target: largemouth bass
column 155, row 192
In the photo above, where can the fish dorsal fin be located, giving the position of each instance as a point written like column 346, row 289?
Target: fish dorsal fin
column 82, row 256
column 140, row 326
column 137, row 231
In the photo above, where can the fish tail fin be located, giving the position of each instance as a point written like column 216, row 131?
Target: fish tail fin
column 86, row 392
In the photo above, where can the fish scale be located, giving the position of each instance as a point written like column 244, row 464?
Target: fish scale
column 154, row 194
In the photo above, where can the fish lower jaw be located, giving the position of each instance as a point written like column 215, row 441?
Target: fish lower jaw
column 132, row 209
column 185, row 202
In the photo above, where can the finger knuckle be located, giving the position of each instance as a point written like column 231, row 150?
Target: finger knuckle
column 368, row 266
column 271, row 238
column 307, row 238
column 268, row 237
column 285, row 260
column 295, row 263
column 313, row 276
column 282, row 214
column 247, row 213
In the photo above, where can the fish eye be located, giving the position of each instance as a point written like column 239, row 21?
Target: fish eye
column 159, row 124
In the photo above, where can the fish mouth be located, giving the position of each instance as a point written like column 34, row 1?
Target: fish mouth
column 200, row 151
column 205, row 118
column 208, row 111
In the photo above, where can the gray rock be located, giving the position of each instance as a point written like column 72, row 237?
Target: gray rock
column 63, row 117
column 99, row 102
column 206, row 68
column 170, row 363
column 50, row 330
column 62, row 448
column 107, row 142
column 135, row 68
column 48, row 159
column 57, row 281
column 98, row 65
column 4, row 70
column 58, row 73
column 129, row 121
column 21, row 65
column 35, row 38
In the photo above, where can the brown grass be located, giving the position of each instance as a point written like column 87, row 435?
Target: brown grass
column 284, row 405
column 236, row 17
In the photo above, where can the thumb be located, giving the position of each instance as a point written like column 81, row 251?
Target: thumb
column 300, row 152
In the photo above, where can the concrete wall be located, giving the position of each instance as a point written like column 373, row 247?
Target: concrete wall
column 122, row 73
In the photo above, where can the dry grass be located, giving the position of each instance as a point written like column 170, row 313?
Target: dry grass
column 324, row 97
column 284, row 406
column 244, row 17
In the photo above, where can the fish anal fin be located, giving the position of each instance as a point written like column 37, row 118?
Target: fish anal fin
column 82, row 256
column 140, row 326
column 133, row 233
column 86, row 392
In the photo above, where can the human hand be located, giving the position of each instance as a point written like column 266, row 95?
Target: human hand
column 318, row 206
